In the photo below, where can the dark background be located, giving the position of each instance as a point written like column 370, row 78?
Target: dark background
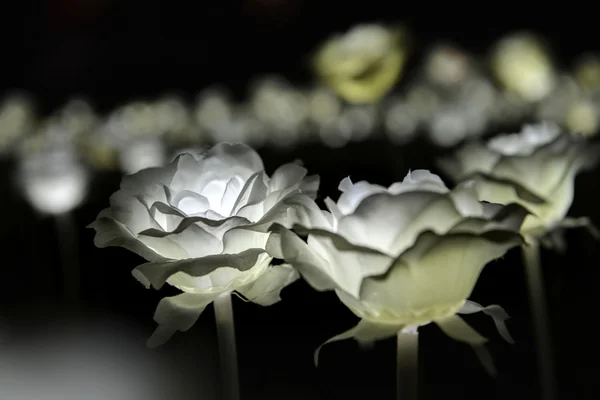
column 114, row 51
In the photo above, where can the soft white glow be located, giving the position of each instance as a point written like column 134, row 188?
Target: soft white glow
column 54, row 182
column 141, row 155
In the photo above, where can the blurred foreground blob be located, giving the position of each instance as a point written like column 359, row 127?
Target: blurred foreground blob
column 52, row 179
column 446, row 65
column 16, row 120
column 97, row 357
column 363, row 64
column 450, row 98
column 522, row 65
column 587, row 73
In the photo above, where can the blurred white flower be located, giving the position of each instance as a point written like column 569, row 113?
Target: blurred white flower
column 53, row 181
column 323, row 106
column 400, row 121
column 281, row 109
column 16, row 120
column 535, row 168
column 358, row 122
column 449, row 126
column 523, row 66
column 403, row 256
column 363, row 64
column 587, row 73
column 202, row 223
column 446, row 65
column 554, row 107
column 583, row 116
column 77, row 116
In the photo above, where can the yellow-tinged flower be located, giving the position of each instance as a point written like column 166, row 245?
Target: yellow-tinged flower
column 535, row 168
column 403, row 256
column 202, row 224
column 523, row 66
column 363, row 64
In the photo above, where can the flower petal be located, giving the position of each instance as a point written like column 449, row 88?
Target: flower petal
column 329, row 261
column 379, row 222
column 286, row 176
column 458, row 329
column 267, row 288
column 238, row 153
column 254, row 191
column 353, row 195
column 496, row 312
column 296, row 252
column 177, row 313
column 438, row 271
column 130, row 211
column 472, row 158
column 111, row 233
column 365, row 332
column 138, row 183
column 157, row 273
column 419, row 180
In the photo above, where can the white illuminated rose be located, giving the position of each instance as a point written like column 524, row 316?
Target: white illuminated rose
column 363, row 64
column 202, row 223
column 403, row 256
column 535, row 168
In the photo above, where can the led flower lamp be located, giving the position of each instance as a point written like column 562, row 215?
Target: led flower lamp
column 363, row 64
column 55, row 182
column 402, row 257
column 202, row 224
column 535, row 168
column 523, row 65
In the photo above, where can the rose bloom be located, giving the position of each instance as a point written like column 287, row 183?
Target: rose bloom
column 403, row 256
column 363, row 64
column 202, row 224
column 535, row 168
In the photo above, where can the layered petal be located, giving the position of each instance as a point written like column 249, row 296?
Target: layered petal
column 267, row 288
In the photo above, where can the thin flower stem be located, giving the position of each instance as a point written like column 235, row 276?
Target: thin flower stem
column 407, row 356
column 537, row 298
column 227, row 347
column 69, row 258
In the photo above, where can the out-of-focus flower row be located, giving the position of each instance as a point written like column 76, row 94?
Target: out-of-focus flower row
column 452, row 96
